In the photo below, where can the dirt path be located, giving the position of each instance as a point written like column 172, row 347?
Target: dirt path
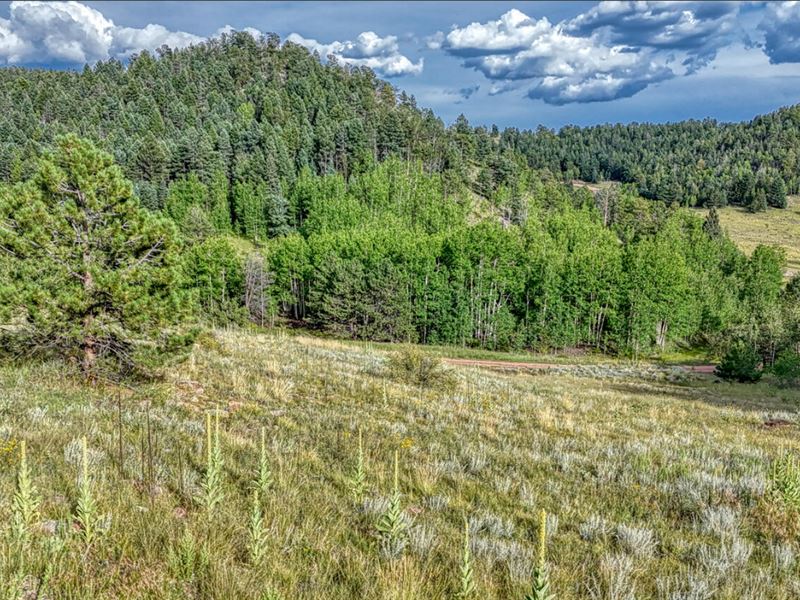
column 503, row 364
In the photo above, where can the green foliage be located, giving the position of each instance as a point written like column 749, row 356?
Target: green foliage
column 784, row 478
column 415, row 367
column 392, row 526
column 466, row 585
column 212, row 485
column 372, row 219
column 357, row 481
column 741, row 363
column 25, row 504
column 264, row 480
column 540, row 589
column 214, row 272
column 257, row 534
column 188, row 560
column 86, row 513
column 711, row 225
column 787, row 368
column 92, row 274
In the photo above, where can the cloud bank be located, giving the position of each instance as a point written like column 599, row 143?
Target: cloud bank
column 71, row 32
column 564, row 67
column 781, row 27
column 613, row 50
column 381, row 54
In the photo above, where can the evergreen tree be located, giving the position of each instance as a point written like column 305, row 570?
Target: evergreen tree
column 759, row 201
column 711, row 225
column 93, row 274
column 776, row 192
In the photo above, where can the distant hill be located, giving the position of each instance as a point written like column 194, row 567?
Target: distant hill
column 241, row 110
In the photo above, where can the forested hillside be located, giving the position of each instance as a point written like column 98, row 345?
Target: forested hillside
column 256, row 113
column 366, row 217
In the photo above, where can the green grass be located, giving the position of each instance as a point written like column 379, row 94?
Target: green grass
column 780, row 227
column 588, row 356
column 651, row 484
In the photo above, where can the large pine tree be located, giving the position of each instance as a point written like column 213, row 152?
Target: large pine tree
column 90, row 273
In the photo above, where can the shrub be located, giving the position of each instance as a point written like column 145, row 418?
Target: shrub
column 787, row 369
column 417, row 368
column 740, row 363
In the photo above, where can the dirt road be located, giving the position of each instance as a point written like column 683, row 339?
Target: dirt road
column 502, row 364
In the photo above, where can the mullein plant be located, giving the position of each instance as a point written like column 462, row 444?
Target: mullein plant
column 358, row 479
column 541, row 576
column 213, row 494
column 86, row 508
column 257, row 534
column 264, row 478
column 466, row 583
column 25, row 506
column 392, row 525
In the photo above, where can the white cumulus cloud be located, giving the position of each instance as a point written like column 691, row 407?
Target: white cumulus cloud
column 71, row 32
column 697, row 30
column 381, row 54
column 563, row 67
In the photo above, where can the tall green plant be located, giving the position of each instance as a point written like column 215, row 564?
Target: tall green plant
column 466, row 587
column 257, row 534
column 392, row 525
column 96, row 274
column 212, row 485
column 25, row 506
column 264, row 478
column 358, row 478
column 86, row 509
column 541, row 576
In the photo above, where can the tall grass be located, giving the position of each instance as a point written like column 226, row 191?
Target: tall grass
column 663, row 489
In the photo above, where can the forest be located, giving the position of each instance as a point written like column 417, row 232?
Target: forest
column 246, row 180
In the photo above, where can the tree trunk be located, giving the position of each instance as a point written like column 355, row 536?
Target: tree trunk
column 89, row 342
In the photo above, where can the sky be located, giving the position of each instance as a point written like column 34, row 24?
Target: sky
column 514, row 64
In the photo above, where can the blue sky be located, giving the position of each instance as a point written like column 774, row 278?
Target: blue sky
column 516, row 64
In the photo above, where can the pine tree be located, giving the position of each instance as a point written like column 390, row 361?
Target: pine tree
column 712, row 225
column 776, row 192
column 759, row 202
column 94, row 274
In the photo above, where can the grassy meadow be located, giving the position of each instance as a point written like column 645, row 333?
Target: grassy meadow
column 780, row 227
column 657, row 486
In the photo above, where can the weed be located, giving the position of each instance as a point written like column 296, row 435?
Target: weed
column 25, row 504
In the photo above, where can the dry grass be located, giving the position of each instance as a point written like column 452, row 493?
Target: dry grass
column 780, row 227
column 657, row 488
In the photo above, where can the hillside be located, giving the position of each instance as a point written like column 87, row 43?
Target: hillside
column 246, row 117
column 778, row 227
column 494, row 450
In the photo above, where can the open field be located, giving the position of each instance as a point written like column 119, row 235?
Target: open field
column 780, row 227
column 657, row 487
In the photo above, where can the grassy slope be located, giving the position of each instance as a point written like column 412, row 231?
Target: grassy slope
column 648, row 454
column 780, row 227
column 775, row 226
